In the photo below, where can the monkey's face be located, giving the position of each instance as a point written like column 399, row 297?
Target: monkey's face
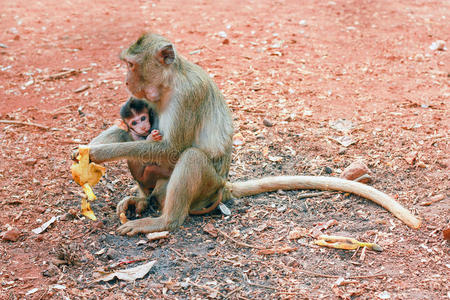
column 140, row 123
column 134, row 80
column 149, row 62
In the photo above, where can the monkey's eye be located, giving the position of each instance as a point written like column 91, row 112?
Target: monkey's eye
column 130, row 65
column 134, row 123
column 143, row 118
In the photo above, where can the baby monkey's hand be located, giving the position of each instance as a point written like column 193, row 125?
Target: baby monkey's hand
column 155, row 135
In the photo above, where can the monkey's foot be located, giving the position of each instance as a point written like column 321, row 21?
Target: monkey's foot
column 140, row 203
column 145, row 225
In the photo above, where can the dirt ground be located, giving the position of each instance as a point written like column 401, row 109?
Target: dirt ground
column 291, row 72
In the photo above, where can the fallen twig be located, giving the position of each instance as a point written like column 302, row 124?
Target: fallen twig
column 24, row 123
column 205, row 287
column 66, row 142
column 115, row 265
column 367, row 276
column 233, row 291
column 337, row 276
column 286, row 249
column 61, row 74
column 310, row 195
column 181, row 256
column 264, row 286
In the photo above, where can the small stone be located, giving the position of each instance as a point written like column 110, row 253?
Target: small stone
column 267, row 123
column 384, row 295
column 446, row 233
column 356, row 170
column 411, row 157
column 111, row 254
column 438, row 45
column 40, row 209
column 51, row 271
column 30, row 162
column 226, row 41
column 290, row 261
column 98, row 225
column 222, row 34
column 328, row 170
column 12, row 235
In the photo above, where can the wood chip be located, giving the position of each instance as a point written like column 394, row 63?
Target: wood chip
column 157, row 235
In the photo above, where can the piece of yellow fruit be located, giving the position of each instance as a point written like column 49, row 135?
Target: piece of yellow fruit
column 87, row 175
column 123, row 218
column 86, row 210
column 342, row 242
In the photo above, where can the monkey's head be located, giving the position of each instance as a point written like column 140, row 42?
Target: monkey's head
column 137, row 116
column 149, row 61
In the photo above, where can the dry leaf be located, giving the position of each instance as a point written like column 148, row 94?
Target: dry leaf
column 342, row 125
column 44, row 226
column 317, row 230
column 100, row 252
column 130, row 274
column 345, row 140
column 298, row 233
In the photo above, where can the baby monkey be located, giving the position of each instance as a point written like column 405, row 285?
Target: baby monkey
column 139, row 120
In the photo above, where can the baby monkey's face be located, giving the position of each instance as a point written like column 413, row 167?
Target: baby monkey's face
column 140, row 123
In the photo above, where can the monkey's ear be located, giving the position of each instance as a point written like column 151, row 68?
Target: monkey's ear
column 166, row 55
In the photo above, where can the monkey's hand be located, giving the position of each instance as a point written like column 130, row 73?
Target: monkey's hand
column 140, row 204
column 155, row 135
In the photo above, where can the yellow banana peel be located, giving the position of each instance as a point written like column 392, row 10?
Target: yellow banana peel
column 86, row 209
column 346, row 243
column 87, row 175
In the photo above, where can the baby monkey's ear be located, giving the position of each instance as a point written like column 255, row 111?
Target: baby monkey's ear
column 121, row 124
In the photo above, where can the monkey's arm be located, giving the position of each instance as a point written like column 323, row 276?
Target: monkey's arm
column 111, row 135
column 146, row 151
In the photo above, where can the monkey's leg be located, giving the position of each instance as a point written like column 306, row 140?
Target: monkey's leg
column 159, row 192
column 193, row 179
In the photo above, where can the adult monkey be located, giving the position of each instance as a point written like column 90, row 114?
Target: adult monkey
column 197, row 130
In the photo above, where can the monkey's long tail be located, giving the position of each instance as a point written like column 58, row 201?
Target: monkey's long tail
column 269, row 184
